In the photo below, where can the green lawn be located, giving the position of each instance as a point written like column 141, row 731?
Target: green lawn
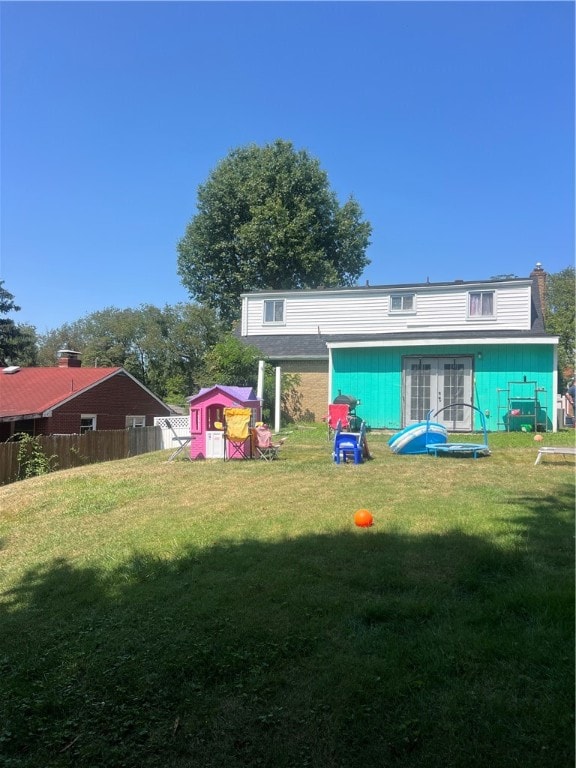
column 217, row 614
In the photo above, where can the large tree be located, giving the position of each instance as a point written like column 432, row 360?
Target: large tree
column 267, row 218
column 560, row 318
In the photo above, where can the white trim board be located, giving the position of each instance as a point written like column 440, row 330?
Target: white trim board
column 440, row 342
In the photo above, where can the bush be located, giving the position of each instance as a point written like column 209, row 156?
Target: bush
column 32, row 460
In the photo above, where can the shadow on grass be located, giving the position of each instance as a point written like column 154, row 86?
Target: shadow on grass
column 359, row 649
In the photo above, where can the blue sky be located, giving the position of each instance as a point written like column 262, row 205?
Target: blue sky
column 452, row 123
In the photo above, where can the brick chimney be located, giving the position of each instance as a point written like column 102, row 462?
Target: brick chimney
column 539, row 278
column 67, row 358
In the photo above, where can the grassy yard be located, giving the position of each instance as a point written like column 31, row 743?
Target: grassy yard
column 217, row 614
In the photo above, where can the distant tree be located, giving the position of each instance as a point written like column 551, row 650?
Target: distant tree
column 267, row 218
column 232, row 363
column 66, row 336
column 194, row 330
column 559, row 318
column 27, row 345
column 162, row 348
column 17, row 342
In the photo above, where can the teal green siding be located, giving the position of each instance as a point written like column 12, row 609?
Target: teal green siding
column 374, row 375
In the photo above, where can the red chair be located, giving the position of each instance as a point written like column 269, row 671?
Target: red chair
column 338, row 414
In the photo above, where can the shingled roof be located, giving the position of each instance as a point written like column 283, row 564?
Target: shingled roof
column 32, row 392
column 290, row 347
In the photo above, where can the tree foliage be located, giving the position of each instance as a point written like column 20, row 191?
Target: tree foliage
column 162, row 348
column 17, row 342
column 560, row 317
column 232, row 363
column 267, row 218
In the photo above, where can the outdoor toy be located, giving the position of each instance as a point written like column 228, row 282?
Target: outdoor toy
column 363, row 518
column 415, row 438
column 538, row 438
column 473, row 450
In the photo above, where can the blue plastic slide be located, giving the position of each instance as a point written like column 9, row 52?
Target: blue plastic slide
column 415, row 437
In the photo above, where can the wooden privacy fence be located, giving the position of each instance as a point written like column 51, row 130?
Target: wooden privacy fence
column 78, row 450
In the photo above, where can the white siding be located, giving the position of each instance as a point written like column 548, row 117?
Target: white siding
column 368, row 311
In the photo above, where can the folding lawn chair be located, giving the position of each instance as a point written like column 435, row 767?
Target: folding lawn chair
column 237, row 442
column 182, row 440
column 338, row 414
column 264, row 448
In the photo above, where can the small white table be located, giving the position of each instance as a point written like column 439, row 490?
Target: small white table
column 558, row 449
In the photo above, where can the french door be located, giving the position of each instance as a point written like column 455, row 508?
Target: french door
column 431, row 383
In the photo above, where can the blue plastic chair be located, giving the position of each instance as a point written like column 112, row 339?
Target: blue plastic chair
column 349, row 444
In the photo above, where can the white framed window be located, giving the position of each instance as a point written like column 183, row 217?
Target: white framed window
column 87, row 422
column 273, row 311
column 135, row 421
column 481, row 304
column 402, row 302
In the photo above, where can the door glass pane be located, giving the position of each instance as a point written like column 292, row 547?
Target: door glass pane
column 420, row 374
column 453, row 391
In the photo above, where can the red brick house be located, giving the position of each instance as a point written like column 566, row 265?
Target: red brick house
column 70, row 399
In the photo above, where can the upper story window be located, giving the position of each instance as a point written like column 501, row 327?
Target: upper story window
column 481, row 304
column 402, row 302
column 274, row 310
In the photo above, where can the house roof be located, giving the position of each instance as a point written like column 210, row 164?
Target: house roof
column 290, row 347
column 440, row 336
column 455, row 284
column 303, row 347
column 31, row 392
column 238, row 394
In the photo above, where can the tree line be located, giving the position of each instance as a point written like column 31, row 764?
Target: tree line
column 173, row 350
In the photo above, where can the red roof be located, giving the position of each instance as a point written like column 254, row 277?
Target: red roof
column 32, row 391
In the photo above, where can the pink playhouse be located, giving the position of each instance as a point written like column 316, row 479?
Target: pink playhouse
column 207, row 408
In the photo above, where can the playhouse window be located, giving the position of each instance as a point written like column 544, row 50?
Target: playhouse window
column 274, row 311
column 481, row 304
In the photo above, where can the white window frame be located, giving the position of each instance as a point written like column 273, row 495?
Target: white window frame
column 134, row 422
column 84, row 427
column 481, row 315
column 402, row 310
column 274, row 303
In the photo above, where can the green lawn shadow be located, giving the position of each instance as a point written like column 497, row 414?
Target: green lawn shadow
column 354, row 649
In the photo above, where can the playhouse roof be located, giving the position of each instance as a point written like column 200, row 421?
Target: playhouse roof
column 237, row 394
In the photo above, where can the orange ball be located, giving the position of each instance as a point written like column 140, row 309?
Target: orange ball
column 363, row 518
column 538, row 438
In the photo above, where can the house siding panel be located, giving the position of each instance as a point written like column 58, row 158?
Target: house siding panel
column 112, row 401
column 375, row 377
column 368, row 312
